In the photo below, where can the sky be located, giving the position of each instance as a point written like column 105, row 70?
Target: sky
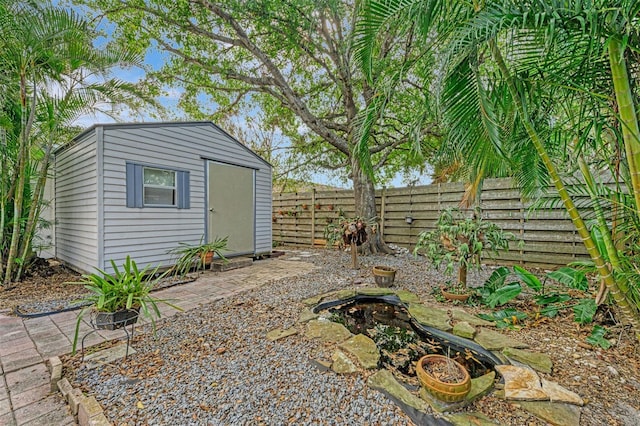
column 154, row 59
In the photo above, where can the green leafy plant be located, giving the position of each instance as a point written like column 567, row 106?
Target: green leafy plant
column 195, row 256
column 126, row 288
column 596, row 338
column 462, row 240
column 505, row 318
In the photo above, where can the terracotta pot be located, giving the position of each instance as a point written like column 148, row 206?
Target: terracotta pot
column 448, row 392
column 384, row 275
column 454, row 296
column 330, row 207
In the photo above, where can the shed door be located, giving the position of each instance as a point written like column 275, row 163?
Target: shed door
column 231, row 207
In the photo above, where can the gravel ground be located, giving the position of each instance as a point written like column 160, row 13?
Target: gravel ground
column 214, row 366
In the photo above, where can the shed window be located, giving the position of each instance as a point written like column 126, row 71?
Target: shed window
column 149, row 186
column 159, row 187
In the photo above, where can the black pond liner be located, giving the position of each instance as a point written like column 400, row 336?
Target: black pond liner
column 459, row 344
column 76, row 306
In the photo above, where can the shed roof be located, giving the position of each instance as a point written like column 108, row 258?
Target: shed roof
column 156, row 125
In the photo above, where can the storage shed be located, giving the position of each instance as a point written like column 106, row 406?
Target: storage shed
column 140, row 189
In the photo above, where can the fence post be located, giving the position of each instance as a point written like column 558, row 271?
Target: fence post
column 382, row 207
column 313, row 216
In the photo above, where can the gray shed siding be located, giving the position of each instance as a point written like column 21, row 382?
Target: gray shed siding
column 148, row 233
column 76, row 204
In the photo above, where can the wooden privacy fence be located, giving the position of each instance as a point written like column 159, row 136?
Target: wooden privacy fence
column 544, row 238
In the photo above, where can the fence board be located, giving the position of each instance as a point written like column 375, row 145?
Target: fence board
column 549, row 238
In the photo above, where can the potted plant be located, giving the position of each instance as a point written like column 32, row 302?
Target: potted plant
column 455, row 292
column 443, row 377
column 462, row 240
column 117, row 299
column 384, row 275
column 305, row 206
column 197, row 256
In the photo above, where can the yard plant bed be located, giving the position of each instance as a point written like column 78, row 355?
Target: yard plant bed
column 197, row 368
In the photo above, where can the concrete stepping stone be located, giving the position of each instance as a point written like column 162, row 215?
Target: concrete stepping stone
column 430, row 317
column 327, row 331
column 364, row 349
column 537, row 361
column 106, row 356
column 494, row 341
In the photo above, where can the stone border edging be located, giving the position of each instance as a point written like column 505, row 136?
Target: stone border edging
column 86, row 410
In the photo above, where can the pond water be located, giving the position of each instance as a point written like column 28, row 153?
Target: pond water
column 402, row 341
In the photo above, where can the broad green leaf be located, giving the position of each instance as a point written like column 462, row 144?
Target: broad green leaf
column 497, row 278
column 503, row 295
column 528, row 278
column 596, row 338
column 584, row 310
column 570, row 277
column 551, row 298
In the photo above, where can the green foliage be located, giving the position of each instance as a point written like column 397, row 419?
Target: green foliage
column 596, row 338
column 584, row 310
column 126, row 288
column 194, row 256
column 462, row 240
column 528, row 278
column 392, row 338
column 570, row 277
column 505, row 318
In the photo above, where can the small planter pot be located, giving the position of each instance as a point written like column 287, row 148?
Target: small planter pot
column 116, row 320
column 384, row 276
column 448, row 391
column 454, row 296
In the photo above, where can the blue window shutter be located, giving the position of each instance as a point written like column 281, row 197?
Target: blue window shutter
column 134, row 185
column 183, row 190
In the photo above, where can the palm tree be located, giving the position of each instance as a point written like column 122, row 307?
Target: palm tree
column 517, row 75
column 50, row 75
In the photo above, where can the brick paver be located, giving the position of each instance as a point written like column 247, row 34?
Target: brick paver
column 25, row 344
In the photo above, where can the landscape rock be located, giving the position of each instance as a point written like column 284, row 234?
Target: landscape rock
column 460, row 315
column 307, row 315
column 481, row 386
column 521, row 383
column 430, row 316
column 279, row 333
column 470, row 419
column 494, row 341
column 342, row 364
column 557, row 393
column 537, row 361
column 327, row 331
column 375, row 291
column 384, row 381
column 364, row 349
column 407, row 297
column 464, row 329
column 555, row 414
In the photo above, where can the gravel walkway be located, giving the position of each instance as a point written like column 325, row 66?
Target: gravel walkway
column 215, row 366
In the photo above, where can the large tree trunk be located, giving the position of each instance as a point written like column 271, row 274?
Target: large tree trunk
column 365, row 202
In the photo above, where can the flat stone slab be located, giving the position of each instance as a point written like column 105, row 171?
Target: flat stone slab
column 342, row 364
column 107, row 356
column 460, row 315
column 307, row 315
column 234, row 263
column 464, row 329
column 481, row 386
column 537, row 361
column 364, row 349
column 558, row 393
column 407, row 297
column 375, row 291
column 521, row 383
column 556, row 414
column 470, row 419
column 494, row 341
column 384, row 381
column 327, row 331
column 430, row 317
column 279, row 333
